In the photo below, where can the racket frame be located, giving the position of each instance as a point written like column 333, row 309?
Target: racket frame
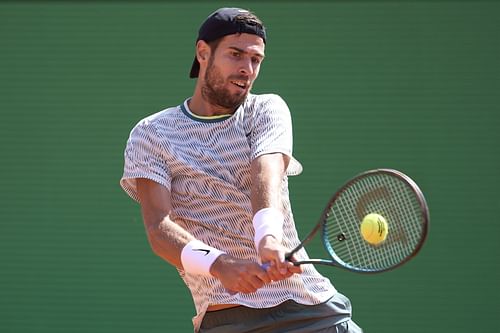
column 335, row 260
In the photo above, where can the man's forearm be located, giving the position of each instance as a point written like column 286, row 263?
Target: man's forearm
column 167, row 240
column 267, row 172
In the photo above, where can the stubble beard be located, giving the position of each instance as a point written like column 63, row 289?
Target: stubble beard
column 215, row 93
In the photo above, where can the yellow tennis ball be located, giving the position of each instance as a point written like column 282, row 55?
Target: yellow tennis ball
column 374, row 228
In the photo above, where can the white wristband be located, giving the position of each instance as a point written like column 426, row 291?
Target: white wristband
column 268, row 221
column 197, row 257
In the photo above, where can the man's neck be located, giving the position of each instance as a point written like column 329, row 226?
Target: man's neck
column 199, row 106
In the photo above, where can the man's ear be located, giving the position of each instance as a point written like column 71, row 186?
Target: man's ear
column 202, row 51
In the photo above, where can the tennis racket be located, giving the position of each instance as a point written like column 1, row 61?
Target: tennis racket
column 389, row 194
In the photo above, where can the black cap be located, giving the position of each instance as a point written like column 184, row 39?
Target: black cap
column 223, row 22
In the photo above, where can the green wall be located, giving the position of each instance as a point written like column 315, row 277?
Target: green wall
column 412, row 85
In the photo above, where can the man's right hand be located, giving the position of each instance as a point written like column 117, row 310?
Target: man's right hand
column 273, row 254
column 239, row 275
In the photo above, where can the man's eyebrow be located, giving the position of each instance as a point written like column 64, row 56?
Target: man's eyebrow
column 258, row 54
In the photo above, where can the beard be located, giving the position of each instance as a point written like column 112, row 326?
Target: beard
column 215, row 92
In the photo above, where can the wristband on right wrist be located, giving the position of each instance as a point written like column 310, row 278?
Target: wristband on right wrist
column 267, row 222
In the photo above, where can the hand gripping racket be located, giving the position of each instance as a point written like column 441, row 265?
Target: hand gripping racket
column 398, row 213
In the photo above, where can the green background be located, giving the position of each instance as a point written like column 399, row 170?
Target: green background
column 409, row 85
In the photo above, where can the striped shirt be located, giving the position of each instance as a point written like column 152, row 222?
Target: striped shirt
column 205, row 163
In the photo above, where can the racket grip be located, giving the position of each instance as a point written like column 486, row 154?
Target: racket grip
column 266, row 265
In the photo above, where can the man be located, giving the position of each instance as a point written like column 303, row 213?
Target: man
column 211, row 178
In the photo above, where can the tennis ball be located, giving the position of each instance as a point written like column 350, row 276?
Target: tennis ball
column 374, row 228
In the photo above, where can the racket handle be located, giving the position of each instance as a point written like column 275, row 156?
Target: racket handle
column 266, row 265
column 288, row 256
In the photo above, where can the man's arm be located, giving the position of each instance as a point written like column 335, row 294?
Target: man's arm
column 267, row 172
column 168, row 239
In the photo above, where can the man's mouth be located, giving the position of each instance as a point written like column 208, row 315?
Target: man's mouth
column 240, row 83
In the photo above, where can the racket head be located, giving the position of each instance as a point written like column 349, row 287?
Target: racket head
column 386, row 192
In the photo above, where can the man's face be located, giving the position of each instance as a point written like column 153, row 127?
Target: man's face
column 231, row 70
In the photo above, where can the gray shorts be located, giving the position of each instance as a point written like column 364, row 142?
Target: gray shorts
column 333, row 316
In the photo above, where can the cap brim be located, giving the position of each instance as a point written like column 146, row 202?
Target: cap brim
column 195, row 69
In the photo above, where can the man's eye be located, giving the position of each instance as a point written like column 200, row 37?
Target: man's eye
column 256, row 60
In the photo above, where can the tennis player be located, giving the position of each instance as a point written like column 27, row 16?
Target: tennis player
column 211, row 177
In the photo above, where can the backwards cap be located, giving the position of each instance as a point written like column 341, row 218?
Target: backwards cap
column 223, row 22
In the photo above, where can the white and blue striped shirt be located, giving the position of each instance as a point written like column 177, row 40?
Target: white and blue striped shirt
column 205, row 163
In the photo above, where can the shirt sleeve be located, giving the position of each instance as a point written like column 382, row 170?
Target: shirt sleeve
column 144, row 158
column 272, row 128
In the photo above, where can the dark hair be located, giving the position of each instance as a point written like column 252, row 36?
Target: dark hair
column 250, row 19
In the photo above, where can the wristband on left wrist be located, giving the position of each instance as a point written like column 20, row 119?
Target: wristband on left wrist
column 197, row 257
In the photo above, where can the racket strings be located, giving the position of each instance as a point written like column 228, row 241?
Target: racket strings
column 388, row 196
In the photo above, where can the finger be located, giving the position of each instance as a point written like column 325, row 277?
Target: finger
column 264, row 276
column 231, row 292
column 254, row 278
column 283, row 263
column 247, row 287
column 256, row 282
column 277, row 275
column 281, row 257
column 272, row 272
column 244, row 290
column 277, row 265
column 282, row 267
column 294, row 268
